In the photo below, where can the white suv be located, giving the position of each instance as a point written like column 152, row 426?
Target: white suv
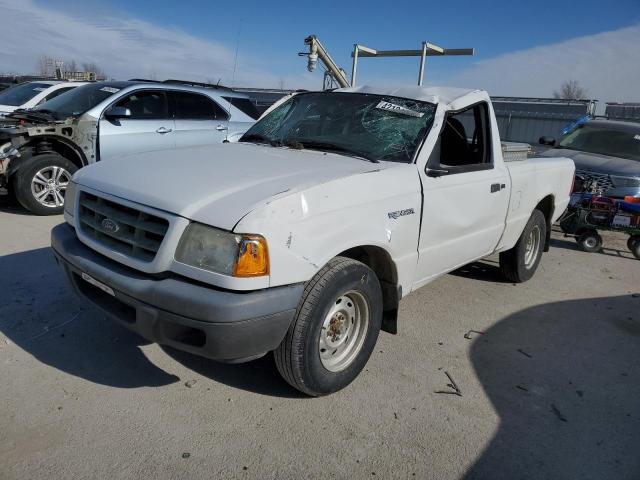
column 31, row 94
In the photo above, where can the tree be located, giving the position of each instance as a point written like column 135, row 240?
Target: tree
column 46, row 66
column 92, row 67
column 571, row 90
column 71, row 66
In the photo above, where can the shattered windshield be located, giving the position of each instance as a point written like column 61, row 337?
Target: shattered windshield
column 374, row 127
column 20, row 94
column 77, row 101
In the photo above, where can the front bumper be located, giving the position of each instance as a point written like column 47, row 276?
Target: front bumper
column 219, row 324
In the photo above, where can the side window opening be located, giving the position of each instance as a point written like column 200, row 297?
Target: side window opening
column 464, row 141
column 146, row 105
column 194, row 106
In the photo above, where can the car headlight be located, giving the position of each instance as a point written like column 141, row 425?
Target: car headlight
column 619, row 181
column 223, row 252
column 70, row 198
column 7, row 150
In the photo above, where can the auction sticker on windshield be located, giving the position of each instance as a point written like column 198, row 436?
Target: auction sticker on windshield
column 392, row 107
column 110, row 89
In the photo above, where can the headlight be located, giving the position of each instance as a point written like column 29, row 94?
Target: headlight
column 70, row 198
column 8, row 150
column 223, row 252
column 619, row 181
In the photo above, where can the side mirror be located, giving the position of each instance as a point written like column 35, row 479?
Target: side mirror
column 114, row 113
column 547, row 141
column 436, row 172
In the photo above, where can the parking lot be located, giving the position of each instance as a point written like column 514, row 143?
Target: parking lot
column 549, row 380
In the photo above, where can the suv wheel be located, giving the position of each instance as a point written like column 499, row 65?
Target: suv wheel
column 41, row 182
column 335, row 329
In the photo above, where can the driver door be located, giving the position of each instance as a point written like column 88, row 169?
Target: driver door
column 149, row 128
column 466, row 195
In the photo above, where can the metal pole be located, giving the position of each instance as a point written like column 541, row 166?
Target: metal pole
column 423, row 59
column 354, row 65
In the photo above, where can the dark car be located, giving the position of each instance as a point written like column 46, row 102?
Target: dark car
column 606, row 154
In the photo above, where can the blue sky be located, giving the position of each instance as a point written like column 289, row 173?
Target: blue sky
column 199, row 38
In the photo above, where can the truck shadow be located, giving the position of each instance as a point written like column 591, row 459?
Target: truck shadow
column 259, row 376
column 40, row 314
column 564, row 378
column 484, row 270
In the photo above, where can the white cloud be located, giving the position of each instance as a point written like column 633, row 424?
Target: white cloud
column 606, row 64
column 124, row 47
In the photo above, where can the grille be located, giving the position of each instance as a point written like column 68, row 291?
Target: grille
column 120, row 228
column 597, row 182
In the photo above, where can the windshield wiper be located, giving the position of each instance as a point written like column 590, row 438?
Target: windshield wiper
column 328, row 147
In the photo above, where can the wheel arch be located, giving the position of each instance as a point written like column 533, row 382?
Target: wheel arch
column 51, row 144
column 379, row 260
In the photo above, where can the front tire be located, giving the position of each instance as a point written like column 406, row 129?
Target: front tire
column 335, row 329
column 520, row 263
column 41, row 182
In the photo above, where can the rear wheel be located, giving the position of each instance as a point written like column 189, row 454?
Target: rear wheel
column 41, row 183
column 520, row 263
column 589, row 241
column 335, row 329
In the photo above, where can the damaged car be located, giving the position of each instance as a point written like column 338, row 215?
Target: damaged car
column 42, row 147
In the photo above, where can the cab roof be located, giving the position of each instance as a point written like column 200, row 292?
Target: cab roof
column 447, row 95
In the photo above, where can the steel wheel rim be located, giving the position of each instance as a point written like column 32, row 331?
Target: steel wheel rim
column 590, row 242
column 343, row 331
column 532, row 247
column 48, row 186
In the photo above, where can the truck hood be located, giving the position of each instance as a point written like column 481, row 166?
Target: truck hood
column 217, row 185
column 594, row 162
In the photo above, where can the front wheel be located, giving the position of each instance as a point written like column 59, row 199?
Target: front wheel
column 41, row 183
column 520, row 262
column 335, row 329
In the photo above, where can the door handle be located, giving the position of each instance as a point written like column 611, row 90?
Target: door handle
column 221, row 128
column 496, row 187
column 163, row 130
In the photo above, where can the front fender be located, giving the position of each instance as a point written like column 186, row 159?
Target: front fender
column 308, row 228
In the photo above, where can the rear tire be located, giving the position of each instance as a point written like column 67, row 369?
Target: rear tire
column 520, row 263
column 335, row 329
column 41, row 182
column 589, row 241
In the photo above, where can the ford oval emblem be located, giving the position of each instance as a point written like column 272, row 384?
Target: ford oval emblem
column 109, row 225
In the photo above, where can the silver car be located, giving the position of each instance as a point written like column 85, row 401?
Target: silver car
column 41, row 148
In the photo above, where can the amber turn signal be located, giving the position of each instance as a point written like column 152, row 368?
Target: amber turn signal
column 253, row 257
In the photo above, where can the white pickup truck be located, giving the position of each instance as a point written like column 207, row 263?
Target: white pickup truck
column 302, row 238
